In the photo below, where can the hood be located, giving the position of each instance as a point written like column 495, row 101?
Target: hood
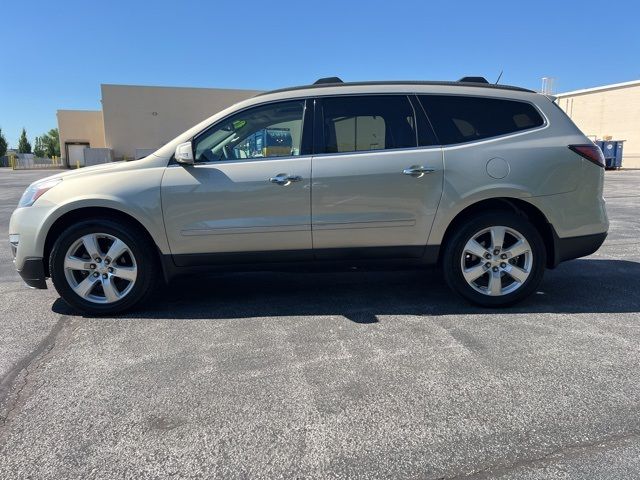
column 147, row 162
column 104, row 167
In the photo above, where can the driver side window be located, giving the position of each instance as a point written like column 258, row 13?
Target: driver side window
column 273, row 130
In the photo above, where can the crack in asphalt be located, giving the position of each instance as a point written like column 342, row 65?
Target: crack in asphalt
column 11, row 395
column 563, row 452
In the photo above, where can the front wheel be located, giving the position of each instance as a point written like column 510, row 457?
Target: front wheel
column 101, row 267
column 495, row 259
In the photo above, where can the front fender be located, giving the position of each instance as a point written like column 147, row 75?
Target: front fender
column 149, row 216
column 135, row 192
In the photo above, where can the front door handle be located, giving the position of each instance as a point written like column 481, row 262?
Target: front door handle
column 417, row 171
column 285, row 179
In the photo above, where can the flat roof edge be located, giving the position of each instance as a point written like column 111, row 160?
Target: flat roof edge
column 124, row 85
column 611, row 86
column 77, row 110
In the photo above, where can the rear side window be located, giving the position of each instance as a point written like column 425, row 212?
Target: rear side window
column 377, row 122
column 458, row 119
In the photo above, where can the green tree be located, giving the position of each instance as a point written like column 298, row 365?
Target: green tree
column 3, row 144
column 39, row 147
column 51, row 142
column 23, row 144
column 47, row 144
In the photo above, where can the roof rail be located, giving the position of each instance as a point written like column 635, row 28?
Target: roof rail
column 320, row 81
column 459, row 83
column 473, row 80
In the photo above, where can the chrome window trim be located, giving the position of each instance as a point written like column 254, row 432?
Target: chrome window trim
column 445, row 146
column 453, row 146
column 435, row 148
column 415, row 121
column 258, row 105
column 242, row 160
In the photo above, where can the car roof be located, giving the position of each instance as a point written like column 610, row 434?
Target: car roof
column 340, row 84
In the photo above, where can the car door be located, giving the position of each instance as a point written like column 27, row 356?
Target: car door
column 377, row 177
column 247, row 196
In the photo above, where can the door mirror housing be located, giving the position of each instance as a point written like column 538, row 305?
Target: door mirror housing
column 184, row 154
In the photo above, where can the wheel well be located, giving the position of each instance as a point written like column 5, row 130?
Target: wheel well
column 520, row 207
column 88, row 213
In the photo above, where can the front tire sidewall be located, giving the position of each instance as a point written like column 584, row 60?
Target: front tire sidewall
column 136, row 242
column 454, row 249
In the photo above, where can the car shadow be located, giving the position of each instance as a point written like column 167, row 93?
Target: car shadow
column 580, row 286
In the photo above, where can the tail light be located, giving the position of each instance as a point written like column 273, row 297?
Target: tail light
column 590, row 152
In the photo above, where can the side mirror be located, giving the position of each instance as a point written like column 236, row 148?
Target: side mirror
column 184, row 154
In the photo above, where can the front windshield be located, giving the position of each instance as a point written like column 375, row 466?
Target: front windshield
column 273, row 130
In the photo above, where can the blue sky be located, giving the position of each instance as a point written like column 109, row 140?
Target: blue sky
column 55, row 54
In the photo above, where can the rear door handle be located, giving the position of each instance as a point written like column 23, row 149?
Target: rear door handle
column 285, row 179
column 417, row 171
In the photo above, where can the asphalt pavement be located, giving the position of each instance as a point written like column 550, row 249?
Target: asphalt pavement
column 330, row 375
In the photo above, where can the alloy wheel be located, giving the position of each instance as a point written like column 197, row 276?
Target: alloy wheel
column 496, row 261
column 100, row 268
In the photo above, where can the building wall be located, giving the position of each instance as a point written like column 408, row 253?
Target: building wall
column 80, row 126
column 611, row 111
column 141, row 117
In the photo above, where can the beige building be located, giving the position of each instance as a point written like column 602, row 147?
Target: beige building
column 608, row 111
column 136, row 120
column 78, row 130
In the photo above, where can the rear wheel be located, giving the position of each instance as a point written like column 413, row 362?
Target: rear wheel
column 495, row 259
column 101, row 267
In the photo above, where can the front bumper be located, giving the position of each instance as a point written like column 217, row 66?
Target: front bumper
column 32, row 272
column 26, row 237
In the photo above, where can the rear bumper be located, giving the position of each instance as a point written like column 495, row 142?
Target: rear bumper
column 32, row 272
column 575, row 247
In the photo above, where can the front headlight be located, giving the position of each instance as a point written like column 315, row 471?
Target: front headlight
column 36, row 190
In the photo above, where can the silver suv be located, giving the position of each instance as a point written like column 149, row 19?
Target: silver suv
column 493, row 183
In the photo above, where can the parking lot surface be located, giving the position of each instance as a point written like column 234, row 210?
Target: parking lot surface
column 349, row 374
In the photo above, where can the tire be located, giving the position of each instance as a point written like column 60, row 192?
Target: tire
column 103, row 285
column 500, row 281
